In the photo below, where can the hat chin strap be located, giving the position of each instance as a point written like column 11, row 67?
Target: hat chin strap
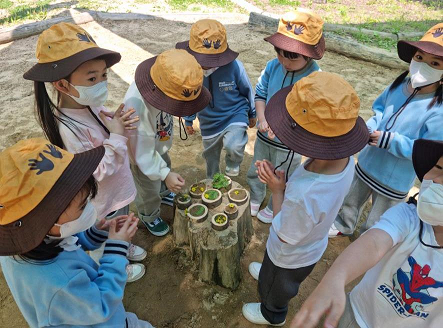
column 182, row 127
column 289, row 166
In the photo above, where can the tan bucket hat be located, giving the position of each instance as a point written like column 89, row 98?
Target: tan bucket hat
column 318, row 117
column 61, row 49
column 38, row 181
column 173, row 82
column 431, row 43
column 208, row 43
column 300, row 31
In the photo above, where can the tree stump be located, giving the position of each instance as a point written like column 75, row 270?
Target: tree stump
column 216, row 252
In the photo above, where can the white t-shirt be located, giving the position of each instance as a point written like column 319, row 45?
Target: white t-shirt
column 310, row 206
column 387, row 296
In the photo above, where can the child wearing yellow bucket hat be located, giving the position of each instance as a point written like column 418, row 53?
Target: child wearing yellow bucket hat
column 298, row 43
column 409, row 109
column 46, row 223
column 76, row 67
column 167, row 85
column 317, row 118
column 224, row 122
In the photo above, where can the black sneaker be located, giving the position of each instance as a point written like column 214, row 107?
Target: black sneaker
column 169, row 199
column 158, row 227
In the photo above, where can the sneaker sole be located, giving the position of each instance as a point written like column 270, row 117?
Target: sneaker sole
column 232, row 174
column 263, row 219
column 157, row 234
column 250, row 319
column 139, row 276
column 253, row 273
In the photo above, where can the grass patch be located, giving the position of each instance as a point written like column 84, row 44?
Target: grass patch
column 37, row 12
column 188, row 4
column 5, row 4
column 371, row 40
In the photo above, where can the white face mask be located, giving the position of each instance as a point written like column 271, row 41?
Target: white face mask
column 423, row 74
column 94, row 96
column 425, row 185
column 84, row 222
column 207, row 72
column 430, row 205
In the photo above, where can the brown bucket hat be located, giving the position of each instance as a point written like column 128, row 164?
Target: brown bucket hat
column 425, row 154
column 300, row 31
column 38, row 181
column 431, row 43
column 318, row 117
column 61, row 49
column 173, row 82
column 208, row 43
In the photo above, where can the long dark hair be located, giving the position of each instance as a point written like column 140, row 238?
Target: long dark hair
column 438, row 95
column 49, row 115
column 290, row 55
column 46, row 252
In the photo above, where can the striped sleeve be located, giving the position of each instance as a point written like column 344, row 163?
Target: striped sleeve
column 116, row 247
column 96, row 236
column 385, row 139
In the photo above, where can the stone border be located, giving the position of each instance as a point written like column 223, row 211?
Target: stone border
column 339, row 44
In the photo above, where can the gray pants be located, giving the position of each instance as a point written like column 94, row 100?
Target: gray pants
column 353, row 205
column 347, row 320
column 276, row 156
column 277, row 286
column 149, row 193
column 132, row 321
column 233, row 139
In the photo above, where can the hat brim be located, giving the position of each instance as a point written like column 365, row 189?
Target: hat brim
column 292, row 45
column 209, row 60
column 54, row 71
column 27, row 233
column 306, row 143
column 155, row 97
column 425, row 154
column 407, row 49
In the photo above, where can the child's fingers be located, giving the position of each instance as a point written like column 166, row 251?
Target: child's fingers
column 112, row 226
column 107, row 114
column 180, row 178
column 128, row 114
column 280, row 174
column 119, row 110
column 131, row 121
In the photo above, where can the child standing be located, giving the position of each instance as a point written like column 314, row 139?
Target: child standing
column 76, row 67
column 168, row 84
column 410, row 108
column 318, row 118
column 46, row 224
column 298, row 42
column 402, row 286
column 224, row 121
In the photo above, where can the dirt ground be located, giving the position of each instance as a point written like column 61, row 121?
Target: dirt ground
column 170, row 295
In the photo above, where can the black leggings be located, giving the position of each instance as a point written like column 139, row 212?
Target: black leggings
column 277, row 286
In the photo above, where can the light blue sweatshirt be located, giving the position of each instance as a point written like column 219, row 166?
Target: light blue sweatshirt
column 232, row 100
column 72, row 290
column 389, row 165
column 273, row 78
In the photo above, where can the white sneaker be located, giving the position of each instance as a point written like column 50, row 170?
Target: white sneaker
column 135, row 271
column 334, row 232
column 252, row 312
column 136, row 253
column 254, row 269
column 265, row 215
column 232, row 171
column 254, row 208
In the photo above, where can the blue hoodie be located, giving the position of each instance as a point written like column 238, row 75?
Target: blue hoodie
column 273, row 78
column 72, row 290
column 232, row 100
column 388, row 168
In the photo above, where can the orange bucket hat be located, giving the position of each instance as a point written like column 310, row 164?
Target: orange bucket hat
column 61, row 49
column 431, row 43
column 208, row 43
column 173, row 82
column 318, row 117
column 300, row 31
column 38, row 181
